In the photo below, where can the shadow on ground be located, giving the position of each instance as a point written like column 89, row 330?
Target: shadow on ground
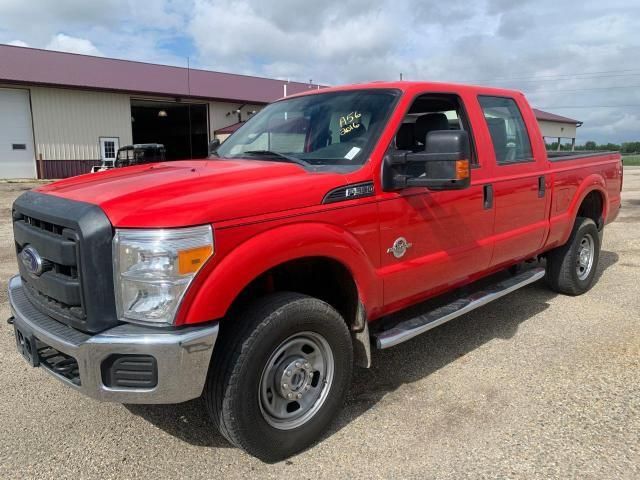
column 410, row 362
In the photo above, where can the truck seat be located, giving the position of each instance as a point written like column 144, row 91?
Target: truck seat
column 425, row 124
column 429, row 123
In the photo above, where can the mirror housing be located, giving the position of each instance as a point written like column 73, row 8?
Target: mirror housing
column 446, row 159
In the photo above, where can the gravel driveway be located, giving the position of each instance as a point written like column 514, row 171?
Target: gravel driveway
column 534, row 385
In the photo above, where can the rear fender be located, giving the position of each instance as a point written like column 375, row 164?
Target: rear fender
column 591, row 183
column 213, row 295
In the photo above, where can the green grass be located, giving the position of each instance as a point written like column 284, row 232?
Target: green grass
column 631, row 160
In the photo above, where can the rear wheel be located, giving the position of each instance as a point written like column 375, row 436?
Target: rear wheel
column 280, row 376
column 571, row 268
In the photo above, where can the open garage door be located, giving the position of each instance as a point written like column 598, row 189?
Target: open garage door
column 180, row 127
column 17, row 159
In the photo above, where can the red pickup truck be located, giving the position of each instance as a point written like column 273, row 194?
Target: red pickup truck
column 258, row 277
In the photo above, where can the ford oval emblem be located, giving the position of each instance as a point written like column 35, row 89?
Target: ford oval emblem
column 400, row 247
column 32, row 260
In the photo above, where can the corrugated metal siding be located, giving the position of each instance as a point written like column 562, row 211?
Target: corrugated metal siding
column 64, row 168
column 218, row 117
column 68, row 123
column 557, row 129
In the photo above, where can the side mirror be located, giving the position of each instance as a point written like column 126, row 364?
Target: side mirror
column 213, row 145
column 446, row 161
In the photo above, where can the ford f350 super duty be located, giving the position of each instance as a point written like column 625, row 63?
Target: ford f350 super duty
column 258, row 277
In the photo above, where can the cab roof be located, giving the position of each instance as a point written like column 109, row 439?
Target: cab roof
column 414, row 86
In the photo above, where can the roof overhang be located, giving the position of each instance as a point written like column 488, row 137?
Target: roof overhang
column 29, row 66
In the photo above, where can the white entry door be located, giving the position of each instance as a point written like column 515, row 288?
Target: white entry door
column 17, row 158
column 109, row 148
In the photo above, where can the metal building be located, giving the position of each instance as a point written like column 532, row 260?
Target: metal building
column 555, row 127
column 62, row 113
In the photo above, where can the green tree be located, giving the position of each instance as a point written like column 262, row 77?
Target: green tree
column 590, row 145
column 630, row 147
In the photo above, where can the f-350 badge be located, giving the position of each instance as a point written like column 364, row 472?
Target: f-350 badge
column 400, row 247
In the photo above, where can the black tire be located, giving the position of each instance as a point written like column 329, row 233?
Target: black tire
column 563, row 273
column 233, row 389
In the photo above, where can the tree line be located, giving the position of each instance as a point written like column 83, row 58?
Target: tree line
column 625, row 147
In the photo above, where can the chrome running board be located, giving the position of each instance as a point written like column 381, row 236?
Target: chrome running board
column 413, row 327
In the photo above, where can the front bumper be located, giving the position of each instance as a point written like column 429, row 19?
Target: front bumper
column 182, row 355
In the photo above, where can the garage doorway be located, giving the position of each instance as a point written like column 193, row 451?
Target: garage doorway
column 181, row 127
column 17, row 158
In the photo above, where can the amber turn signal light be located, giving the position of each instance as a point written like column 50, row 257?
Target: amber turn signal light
column 462, row 169
column 190, row 261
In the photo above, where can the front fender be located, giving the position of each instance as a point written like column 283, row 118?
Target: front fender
column 216, row 287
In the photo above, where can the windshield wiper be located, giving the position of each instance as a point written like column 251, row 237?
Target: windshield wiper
column 282, row 156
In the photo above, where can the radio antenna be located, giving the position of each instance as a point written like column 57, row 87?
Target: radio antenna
column 189, row 107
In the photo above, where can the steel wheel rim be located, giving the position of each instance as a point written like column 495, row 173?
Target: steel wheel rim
column 586, row 252
column 296, row 380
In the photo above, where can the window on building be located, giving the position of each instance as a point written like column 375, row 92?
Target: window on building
column 109, row 149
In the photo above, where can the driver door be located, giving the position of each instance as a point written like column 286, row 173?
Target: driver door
column 448, row 233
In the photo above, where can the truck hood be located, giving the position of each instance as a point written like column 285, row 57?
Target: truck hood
column 194, row 192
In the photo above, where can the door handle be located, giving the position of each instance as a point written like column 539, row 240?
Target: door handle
column 488, row 196
column 542, row 187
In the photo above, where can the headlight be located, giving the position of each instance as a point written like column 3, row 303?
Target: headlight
column 153, row 269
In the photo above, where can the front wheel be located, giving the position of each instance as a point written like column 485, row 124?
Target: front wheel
column 280, row 376
column 571, row 268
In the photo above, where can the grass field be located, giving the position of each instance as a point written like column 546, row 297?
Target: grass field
column 631, row 160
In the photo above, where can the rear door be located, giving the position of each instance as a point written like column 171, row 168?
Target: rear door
column 519, row 182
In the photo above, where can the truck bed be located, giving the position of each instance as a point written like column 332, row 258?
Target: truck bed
column 561, row 156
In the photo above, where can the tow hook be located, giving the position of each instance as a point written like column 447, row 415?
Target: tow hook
column 10, row 320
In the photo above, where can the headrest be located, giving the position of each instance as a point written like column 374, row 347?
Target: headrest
column 428, row 123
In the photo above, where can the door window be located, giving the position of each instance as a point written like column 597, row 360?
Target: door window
column 431, row 112
column 507, row 129
column 108, row 148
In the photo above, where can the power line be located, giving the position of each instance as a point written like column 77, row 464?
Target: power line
column 534, row 77
column 580, row 79
column 592, row 106
column 538, row 80
column 587, row 89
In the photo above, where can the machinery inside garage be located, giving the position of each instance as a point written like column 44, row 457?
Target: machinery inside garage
column 180, row 127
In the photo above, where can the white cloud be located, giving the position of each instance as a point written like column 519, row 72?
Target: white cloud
column 18, row 43
column 67, row 43
column 128, row 29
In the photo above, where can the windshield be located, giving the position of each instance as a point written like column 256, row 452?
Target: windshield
column 336, row 129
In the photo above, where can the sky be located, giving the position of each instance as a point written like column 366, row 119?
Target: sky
column 578, row 58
